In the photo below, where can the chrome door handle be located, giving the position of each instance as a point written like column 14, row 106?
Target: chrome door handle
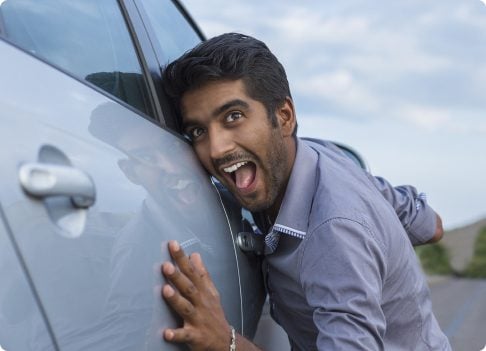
column 44, row 180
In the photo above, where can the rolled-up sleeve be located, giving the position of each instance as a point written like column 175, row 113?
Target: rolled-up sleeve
column 411, row 207
column 342, row 269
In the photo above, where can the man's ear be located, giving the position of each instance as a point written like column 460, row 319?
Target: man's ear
column 286, row 117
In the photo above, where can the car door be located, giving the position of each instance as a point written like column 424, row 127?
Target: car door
column 92, row 189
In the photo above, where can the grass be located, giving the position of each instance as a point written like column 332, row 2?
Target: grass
column 477, row 266
column 434, row 259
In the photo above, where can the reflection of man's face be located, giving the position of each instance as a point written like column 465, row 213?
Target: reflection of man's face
column 159, row 166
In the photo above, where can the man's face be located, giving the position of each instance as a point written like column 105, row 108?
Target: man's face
column 235, row 141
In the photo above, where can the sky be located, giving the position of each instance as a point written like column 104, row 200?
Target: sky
column 402, row 82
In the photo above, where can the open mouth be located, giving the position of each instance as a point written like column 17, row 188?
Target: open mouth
column 242, row 174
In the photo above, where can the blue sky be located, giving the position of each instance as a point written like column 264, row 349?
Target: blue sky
column 403, row 82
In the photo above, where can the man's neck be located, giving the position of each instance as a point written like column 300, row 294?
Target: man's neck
column 272, row 212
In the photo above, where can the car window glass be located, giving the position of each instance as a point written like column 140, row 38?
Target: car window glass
column 21, row 324
column 173, row 33
column 88, row 38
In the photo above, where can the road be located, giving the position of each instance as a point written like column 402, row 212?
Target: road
column 460, row 307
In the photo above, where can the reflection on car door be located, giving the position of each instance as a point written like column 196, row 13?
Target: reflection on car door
column 96, row 269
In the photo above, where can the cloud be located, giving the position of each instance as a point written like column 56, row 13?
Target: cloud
column 426, row 117
column 453, row 121
column 306, row 25
column 340, row 87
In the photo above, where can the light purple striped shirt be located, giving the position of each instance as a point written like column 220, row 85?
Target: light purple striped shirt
column 342, row 273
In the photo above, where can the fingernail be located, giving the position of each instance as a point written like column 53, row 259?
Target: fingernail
column 175, row 246
column 168, row 291
column 169, row 334
column 169, row 268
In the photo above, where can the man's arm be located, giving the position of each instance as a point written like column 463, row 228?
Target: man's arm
column 194, row 297
column 420, row 221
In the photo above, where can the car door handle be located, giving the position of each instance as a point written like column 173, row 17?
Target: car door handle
column 43, row 180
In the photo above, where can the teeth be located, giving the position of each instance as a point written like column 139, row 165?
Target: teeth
column 233, row 168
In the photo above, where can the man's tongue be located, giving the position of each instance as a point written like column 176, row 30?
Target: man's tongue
column 245, row 175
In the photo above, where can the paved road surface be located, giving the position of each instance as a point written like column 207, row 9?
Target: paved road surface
column 460, row 307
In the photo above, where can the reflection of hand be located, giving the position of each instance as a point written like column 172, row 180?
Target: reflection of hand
column 197, row 301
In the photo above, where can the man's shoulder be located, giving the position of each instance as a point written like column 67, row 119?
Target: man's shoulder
column 332, row 161
column 344, row 190
column 321, row 145
column 337, row 175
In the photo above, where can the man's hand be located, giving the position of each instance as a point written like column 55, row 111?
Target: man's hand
column 197, row 301
column 439, row 231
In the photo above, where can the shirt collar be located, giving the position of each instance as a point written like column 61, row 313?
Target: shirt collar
column 293, row 216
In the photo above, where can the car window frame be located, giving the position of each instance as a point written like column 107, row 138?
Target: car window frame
column 153, row 54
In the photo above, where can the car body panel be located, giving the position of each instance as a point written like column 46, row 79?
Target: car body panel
column 22, row 323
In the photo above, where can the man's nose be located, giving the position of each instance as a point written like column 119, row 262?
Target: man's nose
column 221, row 143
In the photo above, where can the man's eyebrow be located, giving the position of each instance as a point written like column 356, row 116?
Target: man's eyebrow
column 228, row 105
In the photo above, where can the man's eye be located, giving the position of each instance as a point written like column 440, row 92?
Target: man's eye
column 233, row 116
column 195, row 133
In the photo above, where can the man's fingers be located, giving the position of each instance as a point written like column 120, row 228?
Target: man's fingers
column 182, row 306
column 203, row 273
column 192, row 278
column 198, row 262
column 177, row 335
column 182, row 260
column 193, row 296
column 182, row 283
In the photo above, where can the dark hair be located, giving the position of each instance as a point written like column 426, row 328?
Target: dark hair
column 230, row 56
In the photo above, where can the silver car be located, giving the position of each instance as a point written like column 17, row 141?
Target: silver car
column 95, row 181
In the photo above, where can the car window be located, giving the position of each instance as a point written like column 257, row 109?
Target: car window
column 173, row 33
column 87, row 38
column 21, row 324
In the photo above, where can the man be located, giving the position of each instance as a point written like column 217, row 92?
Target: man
column 340, row 270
